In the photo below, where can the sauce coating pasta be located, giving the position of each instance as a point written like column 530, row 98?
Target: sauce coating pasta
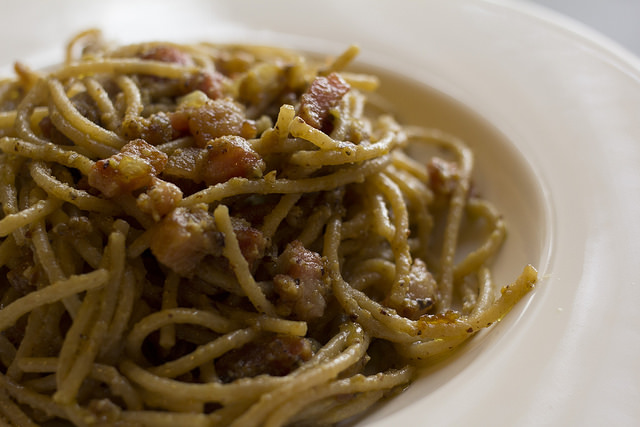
column 212, row 235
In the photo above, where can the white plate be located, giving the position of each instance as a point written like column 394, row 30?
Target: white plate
column 552, row 110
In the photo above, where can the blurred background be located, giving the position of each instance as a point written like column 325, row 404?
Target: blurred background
column 616, row 19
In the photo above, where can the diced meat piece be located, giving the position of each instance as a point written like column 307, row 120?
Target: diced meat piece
column 273, row 355
column 165, row 53
column 142, row 150
column 160, row 198
column 301, row 285
column 205, row 122
column 228, row 157
column 324, row 94
column 223, row 158
column 251, row 241
column 443, row 175
column 211, row 83
column 216, row 118
column 183, row 163
column 157, row 129
column 180, row 121
column 421, row 292
column 183, row 238
column 130, row 169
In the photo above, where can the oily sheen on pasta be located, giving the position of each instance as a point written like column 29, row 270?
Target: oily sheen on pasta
column 211, row 235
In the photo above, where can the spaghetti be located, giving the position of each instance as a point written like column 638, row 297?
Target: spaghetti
column 214, row 235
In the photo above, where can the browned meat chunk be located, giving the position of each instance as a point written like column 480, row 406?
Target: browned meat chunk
column 323, row 95
column 157, row 129
column 223, row 158
column 251, row 241
column 273, row 355
column 228, row 157
column 160, row 198
column 167, row 54
column 184, row 163
column 213, row 119
column 211, row 83
column 216, row 118
column 443, row 175
column 301, row 285
column 183, row 238
column 132, row 168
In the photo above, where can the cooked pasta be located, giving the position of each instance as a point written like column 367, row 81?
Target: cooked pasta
column 212, row 235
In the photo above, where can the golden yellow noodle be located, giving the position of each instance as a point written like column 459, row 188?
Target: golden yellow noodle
column 213, row 235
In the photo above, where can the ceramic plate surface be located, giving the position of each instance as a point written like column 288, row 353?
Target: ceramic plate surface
column 552, row 111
